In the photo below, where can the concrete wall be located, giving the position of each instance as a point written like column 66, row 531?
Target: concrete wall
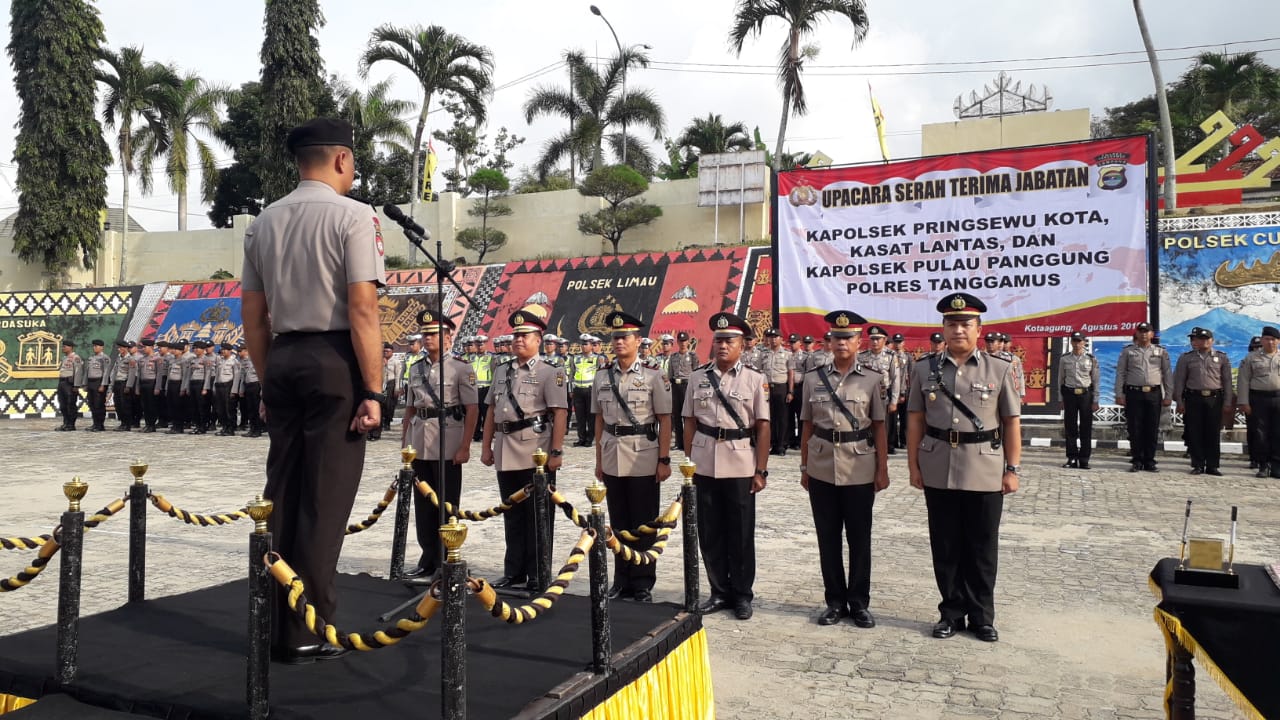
column 1003, row 132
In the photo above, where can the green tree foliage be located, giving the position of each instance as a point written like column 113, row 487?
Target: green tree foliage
column 192, row 108
column 528, row 182
column 593, row 106
column 702, row 136
column 492, row 183
column 61, row 155
column 239, row 188
column 292, row 80
column 616, row 185
column 382, row 143
column 472, row 150
column 801, row 18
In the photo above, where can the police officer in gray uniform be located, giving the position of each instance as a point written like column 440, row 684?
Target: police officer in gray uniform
column 843, row 464
column 679, row 367
column 124, row 380
column 178, row 376
column 1079, row 370
column 312, row 268
column 248, row 388
column 1202, row 384
column 528, row 410
column 1144, row 385
column 97, row 378
column 70, row 380
column 632, row 406
column 886, row 363
column 1258, row 395
column 778, row 367
column 224, row 377
column 964, row 445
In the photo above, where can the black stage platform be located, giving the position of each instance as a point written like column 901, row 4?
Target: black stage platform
column 183, row 658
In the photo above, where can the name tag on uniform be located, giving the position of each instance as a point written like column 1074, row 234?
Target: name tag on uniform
column 704, row 384
column 529, row 381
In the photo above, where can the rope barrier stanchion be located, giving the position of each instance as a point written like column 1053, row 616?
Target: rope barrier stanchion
column 568, row 509
column 258, row 660
column 190, row 518
column 509, row 502
column 138, row 493
column 404, row 489
column 72, row 541
column 378, row 510
column 453, row 634
column 601, row 630
column 541, row 521
column 691, row 570
column 488, row 597
column 37, row 566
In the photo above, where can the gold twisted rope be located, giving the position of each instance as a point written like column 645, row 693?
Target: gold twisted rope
column 368, row 522
column 516, row 498
column 37, row 566
column 24, row 543
column 639, row 557
column 488, row 597
column 569, row 511
column 317, row 626
column 191, row 518
column 665, row 521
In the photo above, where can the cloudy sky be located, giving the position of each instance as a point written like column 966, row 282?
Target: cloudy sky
column 918, row 56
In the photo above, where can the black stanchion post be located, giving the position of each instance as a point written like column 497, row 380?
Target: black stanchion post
column 72, row 541
column 601, row 628
column 689, row 499
column 404, row 497
column 258, row 667
column 138, row 492
column 541, row 523
column 453, row 648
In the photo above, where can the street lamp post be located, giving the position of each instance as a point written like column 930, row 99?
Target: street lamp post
column 596, row 11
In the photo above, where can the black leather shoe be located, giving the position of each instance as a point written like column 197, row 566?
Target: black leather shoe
column 1213, row 471
column 1149, row 467
column 148, row 430
column 1083, row 464
column 1261, row 473
column 642, row 596
column 616, row 592
column 864, row 619
column 1196, row 471
column 308, row 654
column 742, row 610
column 506, row 582
column 1253, row 464
column 714, row 604
column 945, row 628
column 832, row 615
column 985, row 633
column 1135, row 467
column 1070, row 463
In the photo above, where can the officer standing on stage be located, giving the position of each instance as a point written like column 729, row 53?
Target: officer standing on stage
column 1079, row 390
column 964, row 445
column 632, row 410
column 582, row 374
column 97, row 380
column 527, row 411
column 70, row 380
column 424, row 411
column 885, row 362
column 124, row 382
column 224, row 377
column 843, row 464
column 679, row 368
column 312, row 268
column 1202, row 384
column 1144, row 385
column 726, row 433
column 778, row 367
column 248, row 387
column 1259, row 399
column 392, row 371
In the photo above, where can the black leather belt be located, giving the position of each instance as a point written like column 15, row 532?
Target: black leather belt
column 723, row 433
column 625, row 430
column 517, row 425
column 1142, row 388
column 1263, row 393
column 837, row 437
column 433, row 413
column 1068, row 390
column 956, row 437
column 1201, row 393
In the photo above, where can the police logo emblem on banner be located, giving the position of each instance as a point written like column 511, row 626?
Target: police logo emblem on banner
column 1111, row 167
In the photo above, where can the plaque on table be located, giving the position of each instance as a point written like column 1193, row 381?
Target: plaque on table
column 1203, row 561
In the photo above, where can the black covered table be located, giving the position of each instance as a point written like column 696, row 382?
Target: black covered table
column 1233, row 633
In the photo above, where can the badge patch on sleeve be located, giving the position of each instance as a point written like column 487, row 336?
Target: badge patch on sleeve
column 377, row 235
column 559, row 379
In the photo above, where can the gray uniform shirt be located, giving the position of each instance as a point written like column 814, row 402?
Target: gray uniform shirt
column 885, row 363
column 459, row 389
column 1207, row 371
column 648, row 394
column 245, row 375
column 304, row 250
column 776, row 365
column 125, row 370
column 859, row 389
column 97, row 369
column 227, row 369
column 536, row 386
column 745, row 389
column 1080, row 372
column 1258, row 371
column 1144, row 367
column 72, row 368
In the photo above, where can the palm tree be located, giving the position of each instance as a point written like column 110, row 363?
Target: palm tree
column 593, row 104
column 442, row 63
column 1231, row 83
column 710, row 135
column 135, row 89
column 1162, row 104
column 801, row 18
column 193, row 106
column 377, row 120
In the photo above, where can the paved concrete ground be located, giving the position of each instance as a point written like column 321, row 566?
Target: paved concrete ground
column 1074, row 610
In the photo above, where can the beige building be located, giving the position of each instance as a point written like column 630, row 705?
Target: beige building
column 1006, row 131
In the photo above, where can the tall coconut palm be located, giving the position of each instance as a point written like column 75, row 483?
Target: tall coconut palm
column 136, row 89
column 594, row 103
column 194, row 109
column 801, row 18
column 377, row 122
column 1234, row 84
column 710, row 135
column 1162, row 103
column 442, row 63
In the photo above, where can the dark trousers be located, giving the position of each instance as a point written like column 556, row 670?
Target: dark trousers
column 389, row 407
column 1254, row 437
column 1077, row 419
column 678, row 388
column 902, row 425
column 793, row 416
column 483, row 392
column 68, row 401
column 1265, row 412
column 632, row 502
column 727, row 535
column 313, row 465
column 1142, row 416
column 208, row 408
column 521, row 558
column 778, row 416
column 97, row 397
column 1202, row 418
column 149, row 401
column 225, row 405
column 252, row 399
column 197, row 414
column 891, row 426
column 426, row 516
column 964, row 537
column 162, row 403
column 840, row 513
column 586, row 420
column 126, row 412
column 176, row 405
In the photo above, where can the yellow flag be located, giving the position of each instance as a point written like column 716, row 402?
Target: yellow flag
column 428, row 169
column 878, row 115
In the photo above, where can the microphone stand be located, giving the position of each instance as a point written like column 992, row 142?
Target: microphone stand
column 442, row 266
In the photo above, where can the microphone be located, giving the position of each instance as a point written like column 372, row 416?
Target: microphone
column 395, row 213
